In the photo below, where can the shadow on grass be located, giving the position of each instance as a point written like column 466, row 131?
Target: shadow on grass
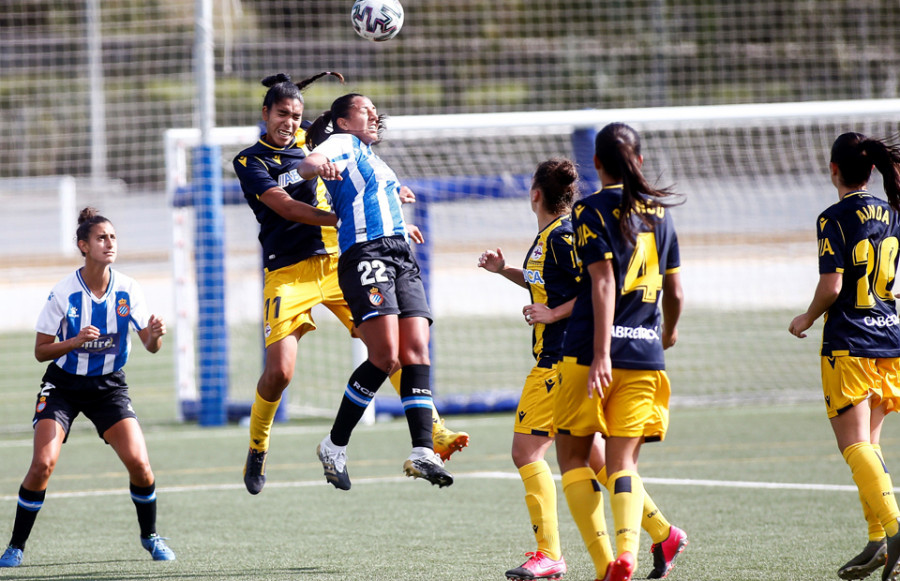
column 230, row 573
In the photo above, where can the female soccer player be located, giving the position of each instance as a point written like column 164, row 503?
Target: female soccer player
column 380, row 279
column 611, row 378
column 551, row 273
column 859, row 237
column 300, row 255
column 83, row 332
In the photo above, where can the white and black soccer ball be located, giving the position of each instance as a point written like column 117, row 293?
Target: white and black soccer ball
column 377, row 20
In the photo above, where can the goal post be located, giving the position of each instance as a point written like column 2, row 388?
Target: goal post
column 754, row 177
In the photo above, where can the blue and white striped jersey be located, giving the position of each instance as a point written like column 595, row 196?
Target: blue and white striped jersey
column 71, row 306
column 366, row 200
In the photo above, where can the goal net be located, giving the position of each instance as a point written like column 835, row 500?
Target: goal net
column 754, row 176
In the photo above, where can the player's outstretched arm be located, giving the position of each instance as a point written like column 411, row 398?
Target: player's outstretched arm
column 493, row 261
column 316, row 165
column 290, row 209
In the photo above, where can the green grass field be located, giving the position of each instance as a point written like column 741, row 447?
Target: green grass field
column 749, row 469
column 721, row 357
column 720, row 475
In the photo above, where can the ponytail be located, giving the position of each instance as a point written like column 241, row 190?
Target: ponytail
column 319, row 131
column 855, row 155
column 281, row 87
column 618, row 149
column 886, row 159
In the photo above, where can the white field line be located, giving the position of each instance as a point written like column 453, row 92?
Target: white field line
column 459, row 476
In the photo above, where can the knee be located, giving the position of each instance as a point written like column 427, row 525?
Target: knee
column 523, row 456
column 415, row 354
column 39, row 473
column 139, row 472
column 519, row 459
column 389, row 363
column 384, row 357
column 276, row 377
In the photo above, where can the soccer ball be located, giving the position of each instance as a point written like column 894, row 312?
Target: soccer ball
column 377, row 20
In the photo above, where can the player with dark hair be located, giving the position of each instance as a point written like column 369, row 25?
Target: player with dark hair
column 300, row 256
column 83, row 330
column 859, row 239
column 612, row 378
column 551, row 273
column 381, row 281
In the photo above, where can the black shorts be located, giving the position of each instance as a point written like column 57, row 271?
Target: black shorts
column 381, row 277
column 103, row 399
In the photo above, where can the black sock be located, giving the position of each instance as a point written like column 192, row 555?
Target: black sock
column 361, row 388
column 415, row 393
column 30, row 502
column 144, row 498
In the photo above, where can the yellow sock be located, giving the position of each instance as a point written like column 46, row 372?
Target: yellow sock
column 262, row 414
column 876, row 530
column 626, row 496
column 585, row 498
column 540, row 497
column 874, row 484
column 652, row 520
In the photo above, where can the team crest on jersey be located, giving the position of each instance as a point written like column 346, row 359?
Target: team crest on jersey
column 42, row 405
column 268, row 330
column 375, row 297
column 122, row 309
column 538, row 251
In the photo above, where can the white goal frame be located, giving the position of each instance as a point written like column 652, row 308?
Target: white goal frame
column 179, row 142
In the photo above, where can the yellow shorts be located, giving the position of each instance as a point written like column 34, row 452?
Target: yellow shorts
column 291, row 292
column 535, row 411
column 848, row 381
column 635, row 404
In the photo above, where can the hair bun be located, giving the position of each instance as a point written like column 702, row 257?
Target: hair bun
column 87, row 214
column 273, row 80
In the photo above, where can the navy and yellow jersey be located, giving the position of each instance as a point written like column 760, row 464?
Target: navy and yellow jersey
column 552, row 274
column 262, row 167
column 639, row 269
column 858, row 238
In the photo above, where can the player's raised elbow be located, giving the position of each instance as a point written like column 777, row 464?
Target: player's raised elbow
column 307, row 169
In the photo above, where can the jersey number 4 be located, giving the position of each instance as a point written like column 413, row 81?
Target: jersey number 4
column 643, row 269
column 881, row 268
